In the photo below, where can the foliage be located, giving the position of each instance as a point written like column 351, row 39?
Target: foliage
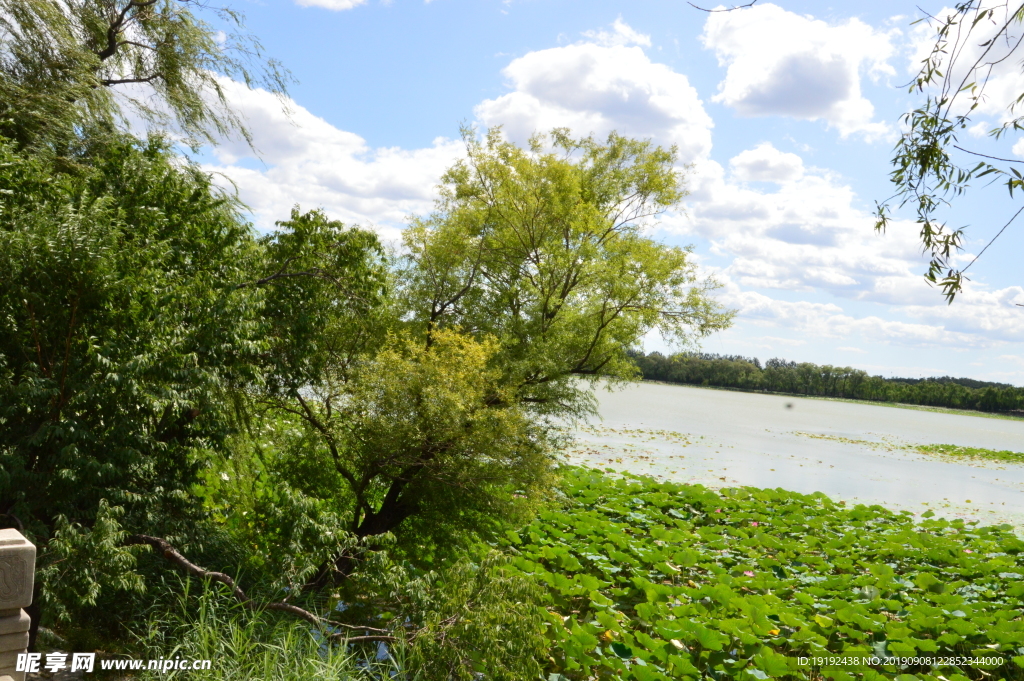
column 545, row 251
column 975, row 42
column 117, row 356
column 325, row 285
column 958, row 451
column 61, row 59
column 244, row 645
column 805, row 378
column 84, row 563
column 476, row 616
column 430, row 401
column 658, row 580
column 425, row 422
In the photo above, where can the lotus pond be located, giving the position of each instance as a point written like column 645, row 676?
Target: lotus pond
column 650, row 579
column 905, row 459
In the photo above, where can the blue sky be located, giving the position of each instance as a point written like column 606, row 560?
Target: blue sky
column 787, row 112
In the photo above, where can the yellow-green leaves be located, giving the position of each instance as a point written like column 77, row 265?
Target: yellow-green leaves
column 441, row 433
column 545, row 250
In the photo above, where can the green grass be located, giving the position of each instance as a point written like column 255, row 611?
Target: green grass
column 650, row 580
column 959, row 452
column 243, row 645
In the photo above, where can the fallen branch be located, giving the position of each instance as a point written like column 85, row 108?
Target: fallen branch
column 165, row 549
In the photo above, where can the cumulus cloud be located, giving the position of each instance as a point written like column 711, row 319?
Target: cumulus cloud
column 801, row 233
column 621, row 34
column 765, row 163
column 308, row 161
column 808, row 237
column 805, row 235
column 784, row 64
column 597, row 87
column 337, row 5
column 829, row 321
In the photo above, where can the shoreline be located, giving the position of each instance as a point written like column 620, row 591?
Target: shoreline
column 849, row 400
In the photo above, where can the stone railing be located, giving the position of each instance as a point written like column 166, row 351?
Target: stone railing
column 17, row 569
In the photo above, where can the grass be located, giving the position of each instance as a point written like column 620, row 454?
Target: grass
column 651, row 580
column 243, row 645
column 958, row 452
column 949, row 451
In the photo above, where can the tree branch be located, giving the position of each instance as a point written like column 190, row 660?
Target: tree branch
column 730, row 9
column 171, row 554
column 115, row 28
column 122, row 81
column 994, row 158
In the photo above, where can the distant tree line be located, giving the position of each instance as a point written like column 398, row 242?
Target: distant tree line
column 805, row 378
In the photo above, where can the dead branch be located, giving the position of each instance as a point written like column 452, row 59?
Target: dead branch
column 171, row 554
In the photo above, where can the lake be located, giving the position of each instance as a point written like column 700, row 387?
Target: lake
column 857, row 452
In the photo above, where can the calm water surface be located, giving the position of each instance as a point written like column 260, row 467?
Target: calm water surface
column 854, row 452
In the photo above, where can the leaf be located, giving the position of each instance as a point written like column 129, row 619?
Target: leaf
column 622, row 650
column 772, row 663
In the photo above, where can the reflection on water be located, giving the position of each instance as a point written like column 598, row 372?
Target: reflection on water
column 855, row 452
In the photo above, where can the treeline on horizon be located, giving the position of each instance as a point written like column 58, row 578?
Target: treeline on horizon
column 805, row 378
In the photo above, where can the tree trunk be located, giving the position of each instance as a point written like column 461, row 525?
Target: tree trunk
column 393, row 510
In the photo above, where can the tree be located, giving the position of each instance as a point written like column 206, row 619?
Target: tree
column 66, row 64
column 975, row 43
column 123, row 328
column 547, row 252
column 532, row 275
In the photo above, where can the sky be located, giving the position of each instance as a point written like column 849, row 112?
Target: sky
column 784, row 115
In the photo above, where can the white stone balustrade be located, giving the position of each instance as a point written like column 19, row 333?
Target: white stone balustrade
column 17, row 570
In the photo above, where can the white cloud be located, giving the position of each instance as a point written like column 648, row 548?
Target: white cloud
column 784, row 64
column 597, row 88
column 806, row 235
column 980, row 129
column 993, row 314
column 337, row 5
column 621, row 34
column 1018, row 148
column 828, row 321
column 308, row 161
column 765, row 163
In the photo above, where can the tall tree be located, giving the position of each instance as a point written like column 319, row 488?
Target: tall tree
column 548, row 252
column 533, row 276
column 123, row 327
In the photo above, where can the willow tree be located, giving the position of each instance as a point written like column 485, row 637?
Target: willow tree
column 549, row 252
column 530, row 281
column 65, row 64
column 976, row 45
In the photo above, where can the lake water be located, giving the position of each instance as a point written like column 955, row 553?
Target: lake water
column 853, row 452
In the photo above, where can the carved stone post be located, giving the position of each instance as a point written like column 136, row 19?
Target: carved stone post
column 17, row 569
